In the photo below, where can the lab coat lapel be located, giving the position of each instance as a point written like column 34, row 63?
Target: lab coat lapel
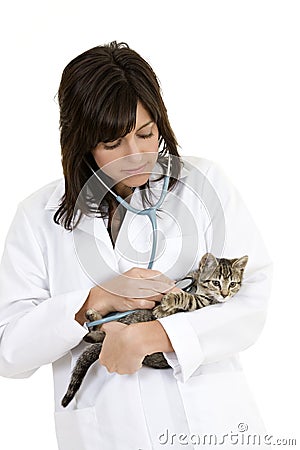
column 131, row 248
column 87, row 224
column 92, row 243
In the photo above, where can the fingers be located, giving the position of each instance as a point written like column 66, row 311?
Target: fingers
column 155, row 286
column 135, row 289
column 141, row 304
column 176, row 290
column 154, row 275
column 132, row 285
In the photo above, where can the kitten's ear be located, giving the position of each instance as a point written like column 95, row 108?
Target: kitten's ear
column 240, row 263
column 208, row 265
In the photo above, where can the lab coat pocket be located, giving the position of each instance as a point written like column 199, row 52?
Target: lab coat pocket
column 77, row 429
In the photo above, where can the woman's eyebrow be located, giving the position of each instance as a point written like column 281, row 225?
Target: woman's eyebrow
column 143, row 126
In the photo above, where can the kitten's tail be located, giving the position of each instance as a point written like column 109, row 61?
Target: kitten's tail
column 88, row 357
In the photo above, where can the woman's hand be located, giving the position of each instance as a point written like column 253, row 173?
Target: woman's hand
column 120, row 353
column 135, row 289
column 125, row 346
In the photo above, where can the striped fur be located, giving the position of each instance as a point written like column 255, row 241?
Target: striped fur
column 215, row 281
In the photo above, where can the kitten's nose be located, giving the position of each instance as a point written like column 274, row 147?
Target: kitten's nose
column 224, row 294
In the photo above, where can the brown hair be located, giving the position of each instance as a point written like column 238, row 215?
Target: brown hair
column 98, row 96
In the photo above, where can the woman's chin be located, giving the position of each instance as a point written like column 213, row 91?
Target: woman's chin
column 136, row 180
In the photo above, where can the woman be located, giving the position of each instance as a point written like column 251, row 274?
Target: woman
column 71, row 247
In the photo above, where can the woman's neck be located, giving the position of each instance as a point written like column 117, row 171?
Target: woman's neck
column 124, row 191
column 116, row 212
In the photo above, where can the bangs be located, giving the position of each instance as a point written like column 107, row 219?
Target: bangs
column 98, row 97
column 117, row 115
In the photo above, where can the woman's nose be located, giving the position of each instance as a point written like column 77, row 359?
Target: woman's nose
column 133, row 151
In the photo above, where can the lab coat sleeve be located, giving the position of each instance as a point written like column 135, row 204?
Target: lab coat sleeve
column 219, row 331
column 35, row 328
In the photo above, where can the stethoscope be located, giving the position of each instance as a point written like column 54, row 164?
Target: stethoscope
column 185, row 284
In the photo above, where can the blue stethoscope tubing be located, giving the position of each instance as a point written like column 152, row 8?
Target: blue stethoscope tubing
column 151, row 213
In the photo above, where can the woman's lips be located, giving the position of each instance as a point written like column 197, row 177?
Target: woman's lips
column 137, row 170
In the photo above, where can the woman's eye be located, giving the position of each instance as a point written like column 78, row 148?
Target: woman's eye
column 232, row 284
column 146, row 136
column 112, row 146
column 216, row 283
column 108, row 146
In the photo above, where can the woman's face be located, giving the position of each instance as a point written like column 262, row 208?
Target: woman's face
column 130, row 160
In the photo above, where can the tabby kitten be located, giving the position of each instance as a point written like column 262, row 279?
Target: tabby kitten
column 215, row 281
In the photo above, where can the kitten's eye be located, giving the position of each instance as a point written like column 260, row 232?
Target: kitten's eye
column 233, row 284
column 216, row 283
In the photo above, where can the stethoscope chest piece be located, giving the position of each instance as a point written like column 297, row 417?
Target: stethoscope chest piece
column 187, row 284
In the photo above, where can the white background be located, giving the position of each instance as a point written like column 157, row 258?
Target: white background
column 230, row 75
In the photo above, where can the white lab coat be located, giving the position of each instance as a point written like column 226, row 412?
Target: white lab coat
column 47, row 272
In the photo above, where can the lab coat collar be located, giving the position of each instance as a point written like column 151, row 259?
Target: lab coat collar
column 56, row 195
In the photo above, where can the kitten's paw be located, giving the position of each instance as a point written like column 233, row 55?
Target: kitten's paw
column 167, row 306
column 92, row 314
column 94, row 336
